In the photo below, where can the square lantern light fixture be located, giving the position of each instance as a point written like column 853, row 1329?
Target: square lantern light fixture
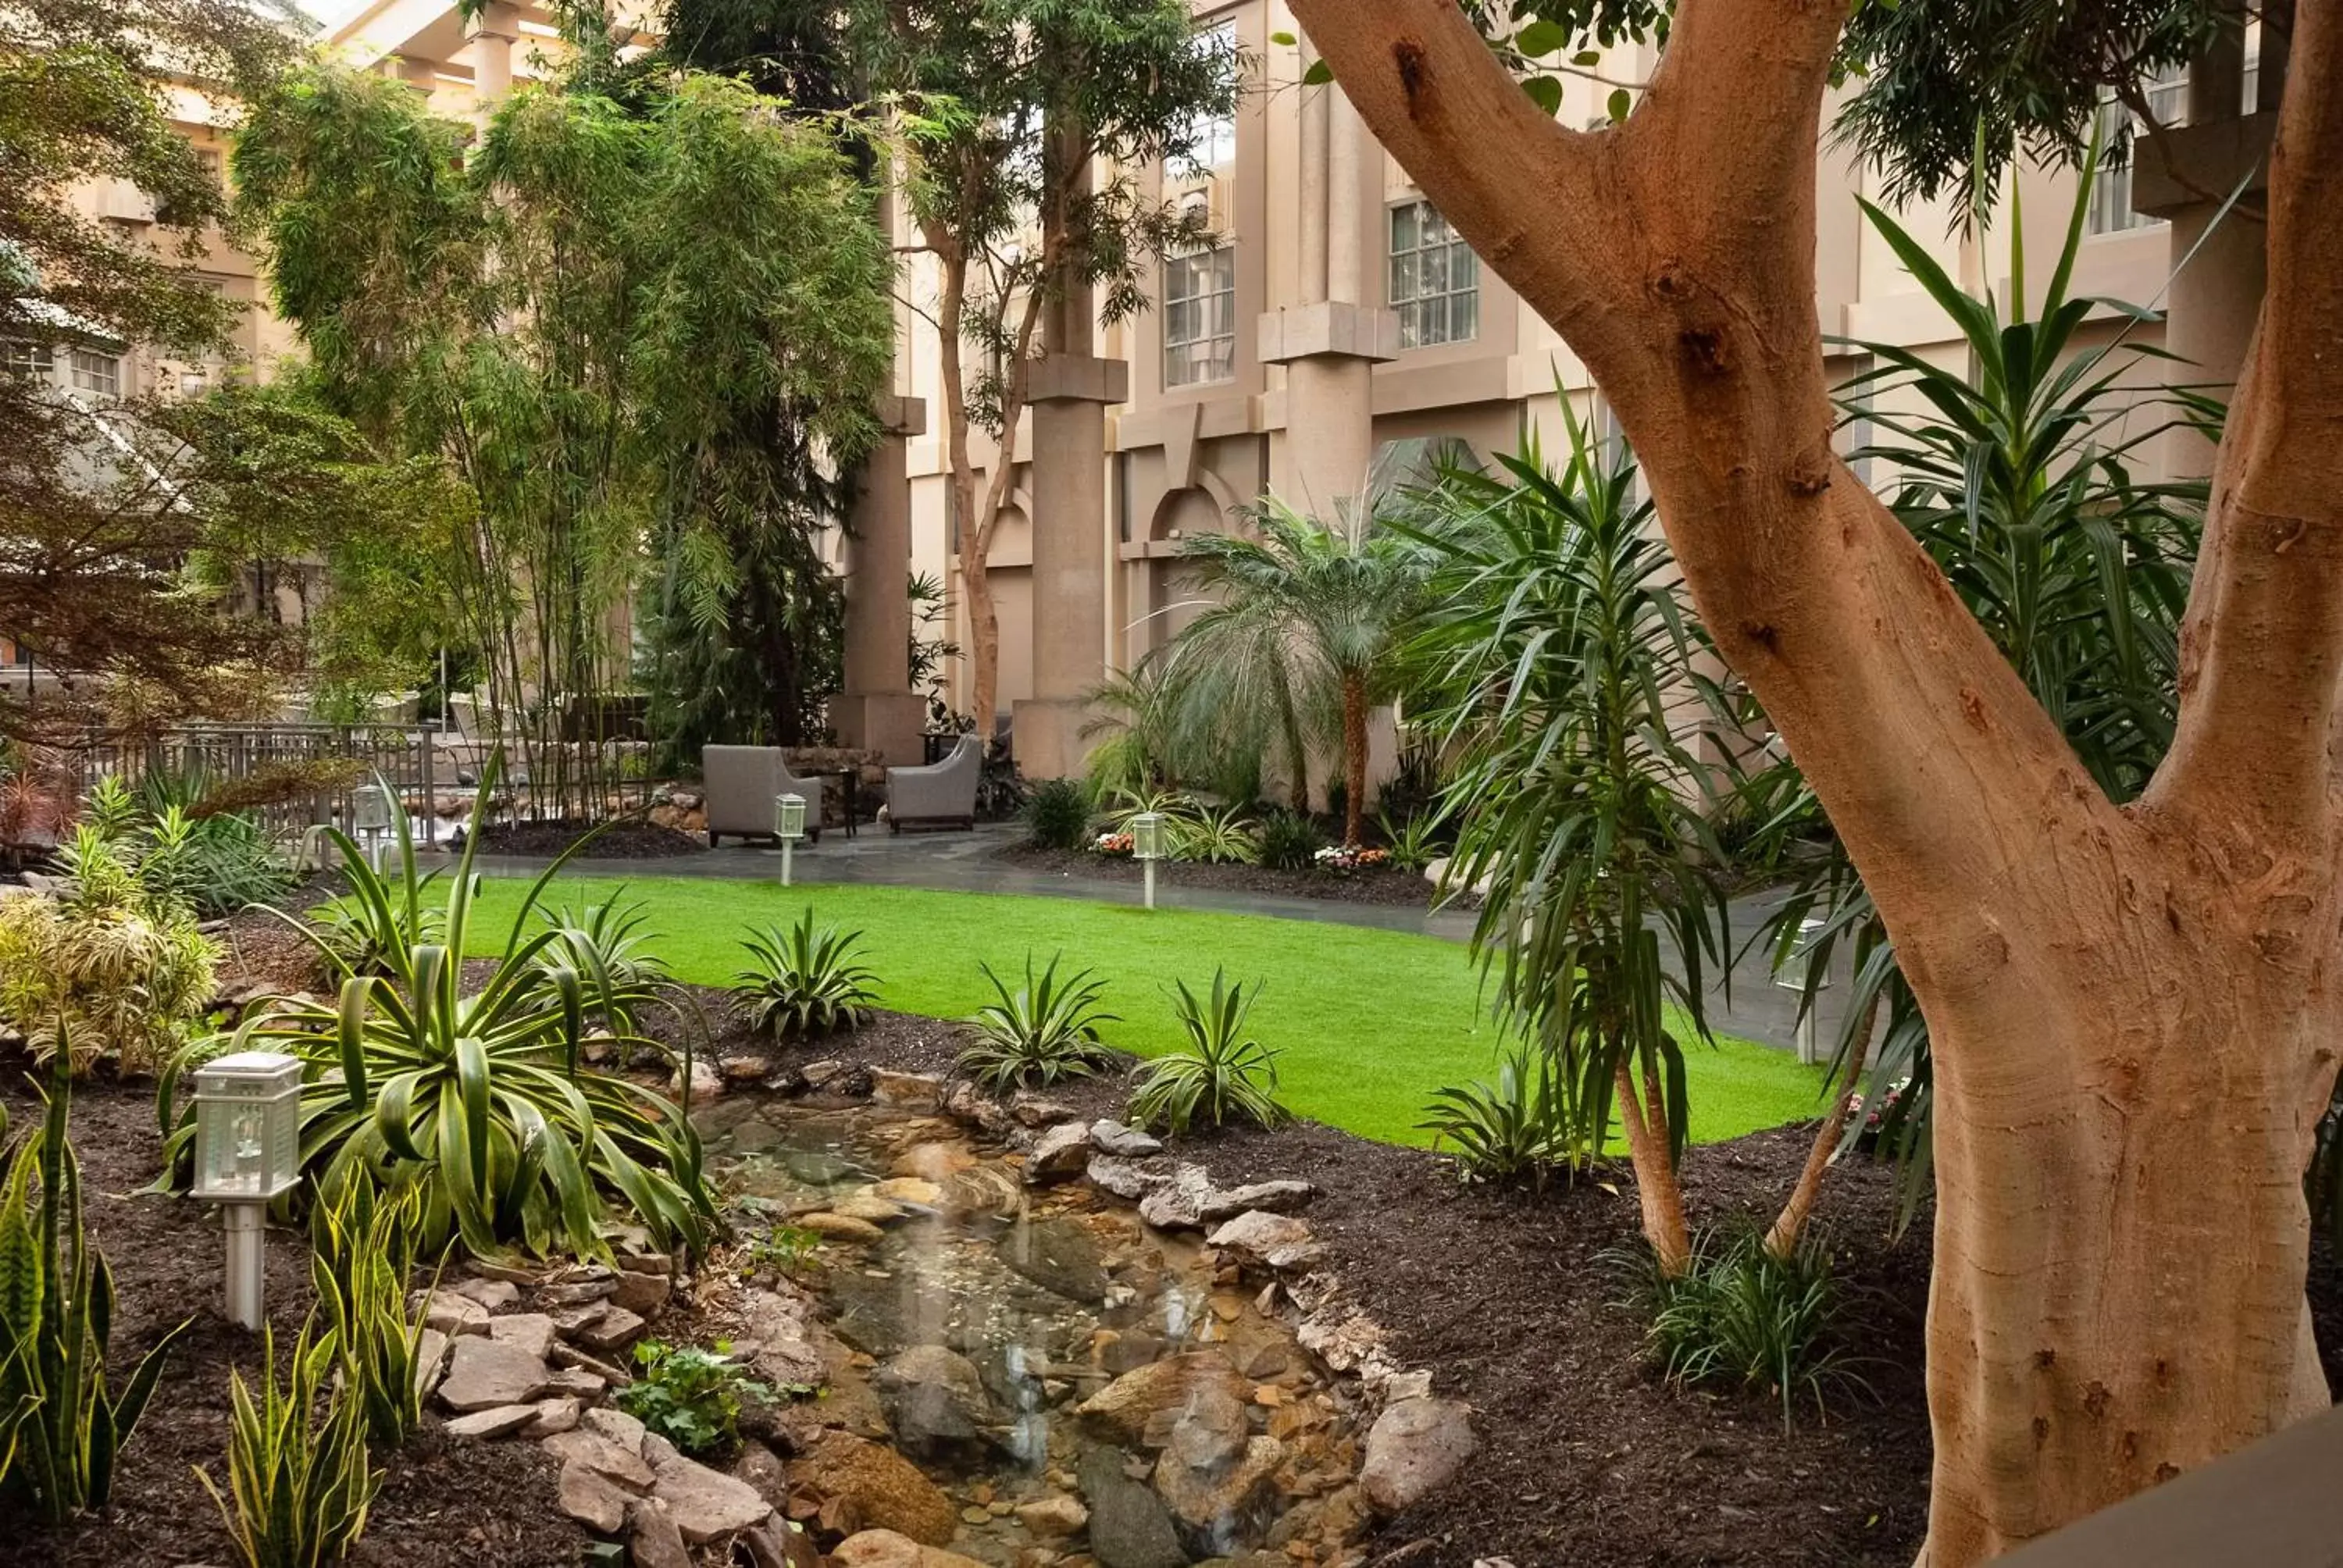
column 788, row 826
column 370, row 809
column 1147, row 847
column 247, row 1127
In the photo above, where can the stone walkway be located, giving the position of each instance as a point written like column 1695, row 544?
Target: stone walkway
column 1745, row 1003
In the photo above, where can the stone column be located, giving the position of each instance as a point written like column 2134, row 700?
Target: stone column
column 1070, row 393
column 878, row 712
column 493, row 37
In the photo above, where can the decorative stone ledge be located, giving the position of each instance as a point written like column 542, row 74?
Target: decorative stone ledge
column 1331, row 329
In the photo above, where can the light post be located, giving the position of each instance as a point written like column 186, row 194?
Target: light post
column 247, row 1152
column 788, row 826
column 1147, row 847
column 370, row 815
column 1793, row 978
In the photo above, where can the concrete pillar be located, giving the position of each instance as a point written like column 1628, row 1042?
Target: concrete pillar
column 879, row 711
column 493, row 37
column 417, row 74
column 1068, row 393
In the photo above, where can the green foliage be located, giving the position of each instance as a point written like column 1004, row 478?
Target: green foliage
column 1743, row 1318
column 607, row 941
column 1219, row 1074
column 784, row 1248
column 1215, row 836
column 122, row 972
column 1045, row 1031
column 1290, row 841
column 184, row 849
column 479, row 1096
column 61, row 1432
column 1519, row 1126
column 299, row 1482
column 806, row 980
column 361, row 1261
column 1058, row 814
column 689, row 1396
column 1414, row 843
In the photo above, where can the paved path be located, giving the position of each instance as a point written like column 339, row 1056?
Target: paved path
column 1756, row 1008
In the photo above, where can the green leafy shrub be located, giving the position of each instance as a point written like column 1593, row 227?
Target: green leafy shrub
column 784, row 1248
column 124, row 973
column 607, row 945
column 804, row 980
column 479, row 1096
column 1414, row 843
column 362, row 1254
column 1220, row 1075
column 1290, row 841
column 1058, row 814
column 299, row 1482
column 187, row 844
column 1517, row 1127
column 1740, row 1316
column 689, row 1396
column 1222, row 837
column 1044, row 1031
column 61, row 1432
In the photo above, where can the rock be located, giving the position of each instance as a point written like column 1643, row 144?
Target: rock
column 431, row 1362
column 579, row 1292
column 761, row 1468
column 919, row 1092
column 1123, row 1409
column 589, row 1499
column 1058, row 1254
column 969, row 1104
column 1053, row 1518
column 1111, row 1137
column 1124, row 1178
column 707, row 1082
column 576, row 1383
column 1267, row 1363
column 483, row 1374
column 510, row 1273
column 1190, row 1201
column 777, row 1543
column 616, row 1426
column 745, row 1069
column 1414, row 1446
column 532, row 1331
column 779, row 1342
column 497, row 1421
column 916, row 1190
column 613, row 1462
column 554, row 1417
column 875, row 1487
column 1416, row 1384
column 1269, row 1240
column 643, row 1293
column 654, row 1540
column 868, row 1208
column 934, row 1397
column 832, row 1227
column 818, row 1073
column 707, row 1503
column 495, row 1295
column 453, row 1314
column 1062, row 1152
column 887, row 1549
column 658, row 1451
column 1036, row 1111
column 1210, row 1432
column 1342, row 1340
column 1211, row 1507
column 1128, row 1524
column 571, row 1356
column 614, row 1330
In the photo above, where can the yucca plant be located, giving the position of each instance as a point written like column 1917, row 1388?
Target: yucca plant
column 299, row 1479
column 1220, row 1075
column 480, row 1095
column 1222, row 837
column 61, row 1431
column 805, row 980
column 1414, row 843
column 1520, row 1126
column 1045, row 1031
column 361, row 1261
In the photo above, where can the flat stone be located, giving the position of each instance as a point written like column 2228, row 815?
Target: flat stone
column 1190, row 1201
column 868, row 1208
column 615, row 1330
column 1123, row 1409
column 1277, row 1241
column 554, row 1417
column 643, row 1293
column 915, row 1091
column 1064, row 1150
column 917, row 1190
column 818, row 1073
column 576, row 1383
column 835, row 1227
column 745, row 1069
column 532, row 1331
column 1124, row 1178
column 454, row 1314
column 510, row 1273
column 1415, row 1447
column 578, row 1292
column 431, row 1362
column 653, row 1538
column 616, row 1426
column 1038, row 1110
column 496, row 1295
column 886, row 1549
column 1108, row 1136
column 483, row 1374
column 1053, row 1518
column 622, row 1465
column 589, row 1499
column 1129, row 1526
column 497, row 1421
column 707, row 1503
column 658, row 1451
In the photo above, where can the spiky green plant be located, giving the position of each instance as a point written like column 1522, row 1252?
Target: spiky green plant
column 804, row 980
column 299, row 1479
column 1221, row 1074
column 61, row 1432
column 609, row 940
column 1743, row 1316
column 1519, row 1126
column 1414, row 843
column 1044, row 1030
column 361, row 1263
column 1057, row 814
column 1215, row 836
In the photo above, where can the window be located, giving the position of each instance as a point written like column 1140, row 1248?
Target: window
column 26, row 361
column 1199, row 318
column 1212, row 139
column 98, row 373
column 2111, row 208
column 1435, row 279
column 208, row 160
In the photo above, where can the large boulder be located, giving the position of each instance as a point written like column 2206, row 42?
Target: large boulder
column 873, row 1487
column 935, row 1398
column 1061, row 1152
column 1123, row 1410
column 1128, row 1523
column 1189, row 1200
column 1414, row 1446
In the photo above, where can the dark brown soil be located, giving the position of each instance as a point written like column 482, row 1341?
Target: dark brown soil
column 630, row 840
column 442, row 1505
column 1375, row 885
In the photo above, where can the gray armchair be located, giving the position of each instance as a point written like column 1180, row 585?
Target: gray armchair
column 741, row 781
column 941, row 792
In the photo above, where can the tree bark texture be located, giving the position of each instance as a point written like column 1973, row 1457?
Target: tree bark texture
column 1354, row 758
column 1659, row 1196
column 2134, row 1011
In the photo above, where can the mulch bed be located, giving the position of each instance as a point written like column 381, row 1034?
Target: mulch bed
column 625, row 840
column 442, row 1505
column 1374, row 885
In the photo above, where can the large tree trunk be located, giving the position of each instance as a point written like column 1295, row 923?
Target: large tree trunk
column 2132, row 1012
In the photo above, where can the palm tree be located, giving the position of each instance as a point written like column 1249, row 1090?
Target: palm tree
column 1303, row 639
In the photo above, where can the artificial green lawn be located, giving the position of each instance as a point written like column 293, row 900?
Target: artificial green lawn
column 1368, row 1023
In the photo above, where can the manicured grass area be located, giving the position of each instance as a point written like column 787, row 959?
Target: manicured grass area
column 1370, row 1022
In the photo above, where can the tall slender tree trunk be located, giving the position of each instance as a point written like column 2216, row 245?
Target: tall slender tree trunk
column 2134, row 1011
column 1659, row 1195
column 1790, row 1225
column 1354, row 758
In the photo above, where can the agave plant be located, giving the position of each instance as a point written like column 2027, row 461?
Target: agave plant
column 804, row 980
column 1043, row 1031
column 1221, row 1074
column 1225, row 836
column 607, row 942
column 1518, row 1126
column 482, row 1095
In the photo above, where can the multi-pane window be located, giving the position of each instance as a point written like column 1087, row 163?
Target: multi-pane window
column 1199, row 318
column 1212, row 139
column 2111, row 208
column 26, row 361
column 1435, row 278
column 98, row 373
